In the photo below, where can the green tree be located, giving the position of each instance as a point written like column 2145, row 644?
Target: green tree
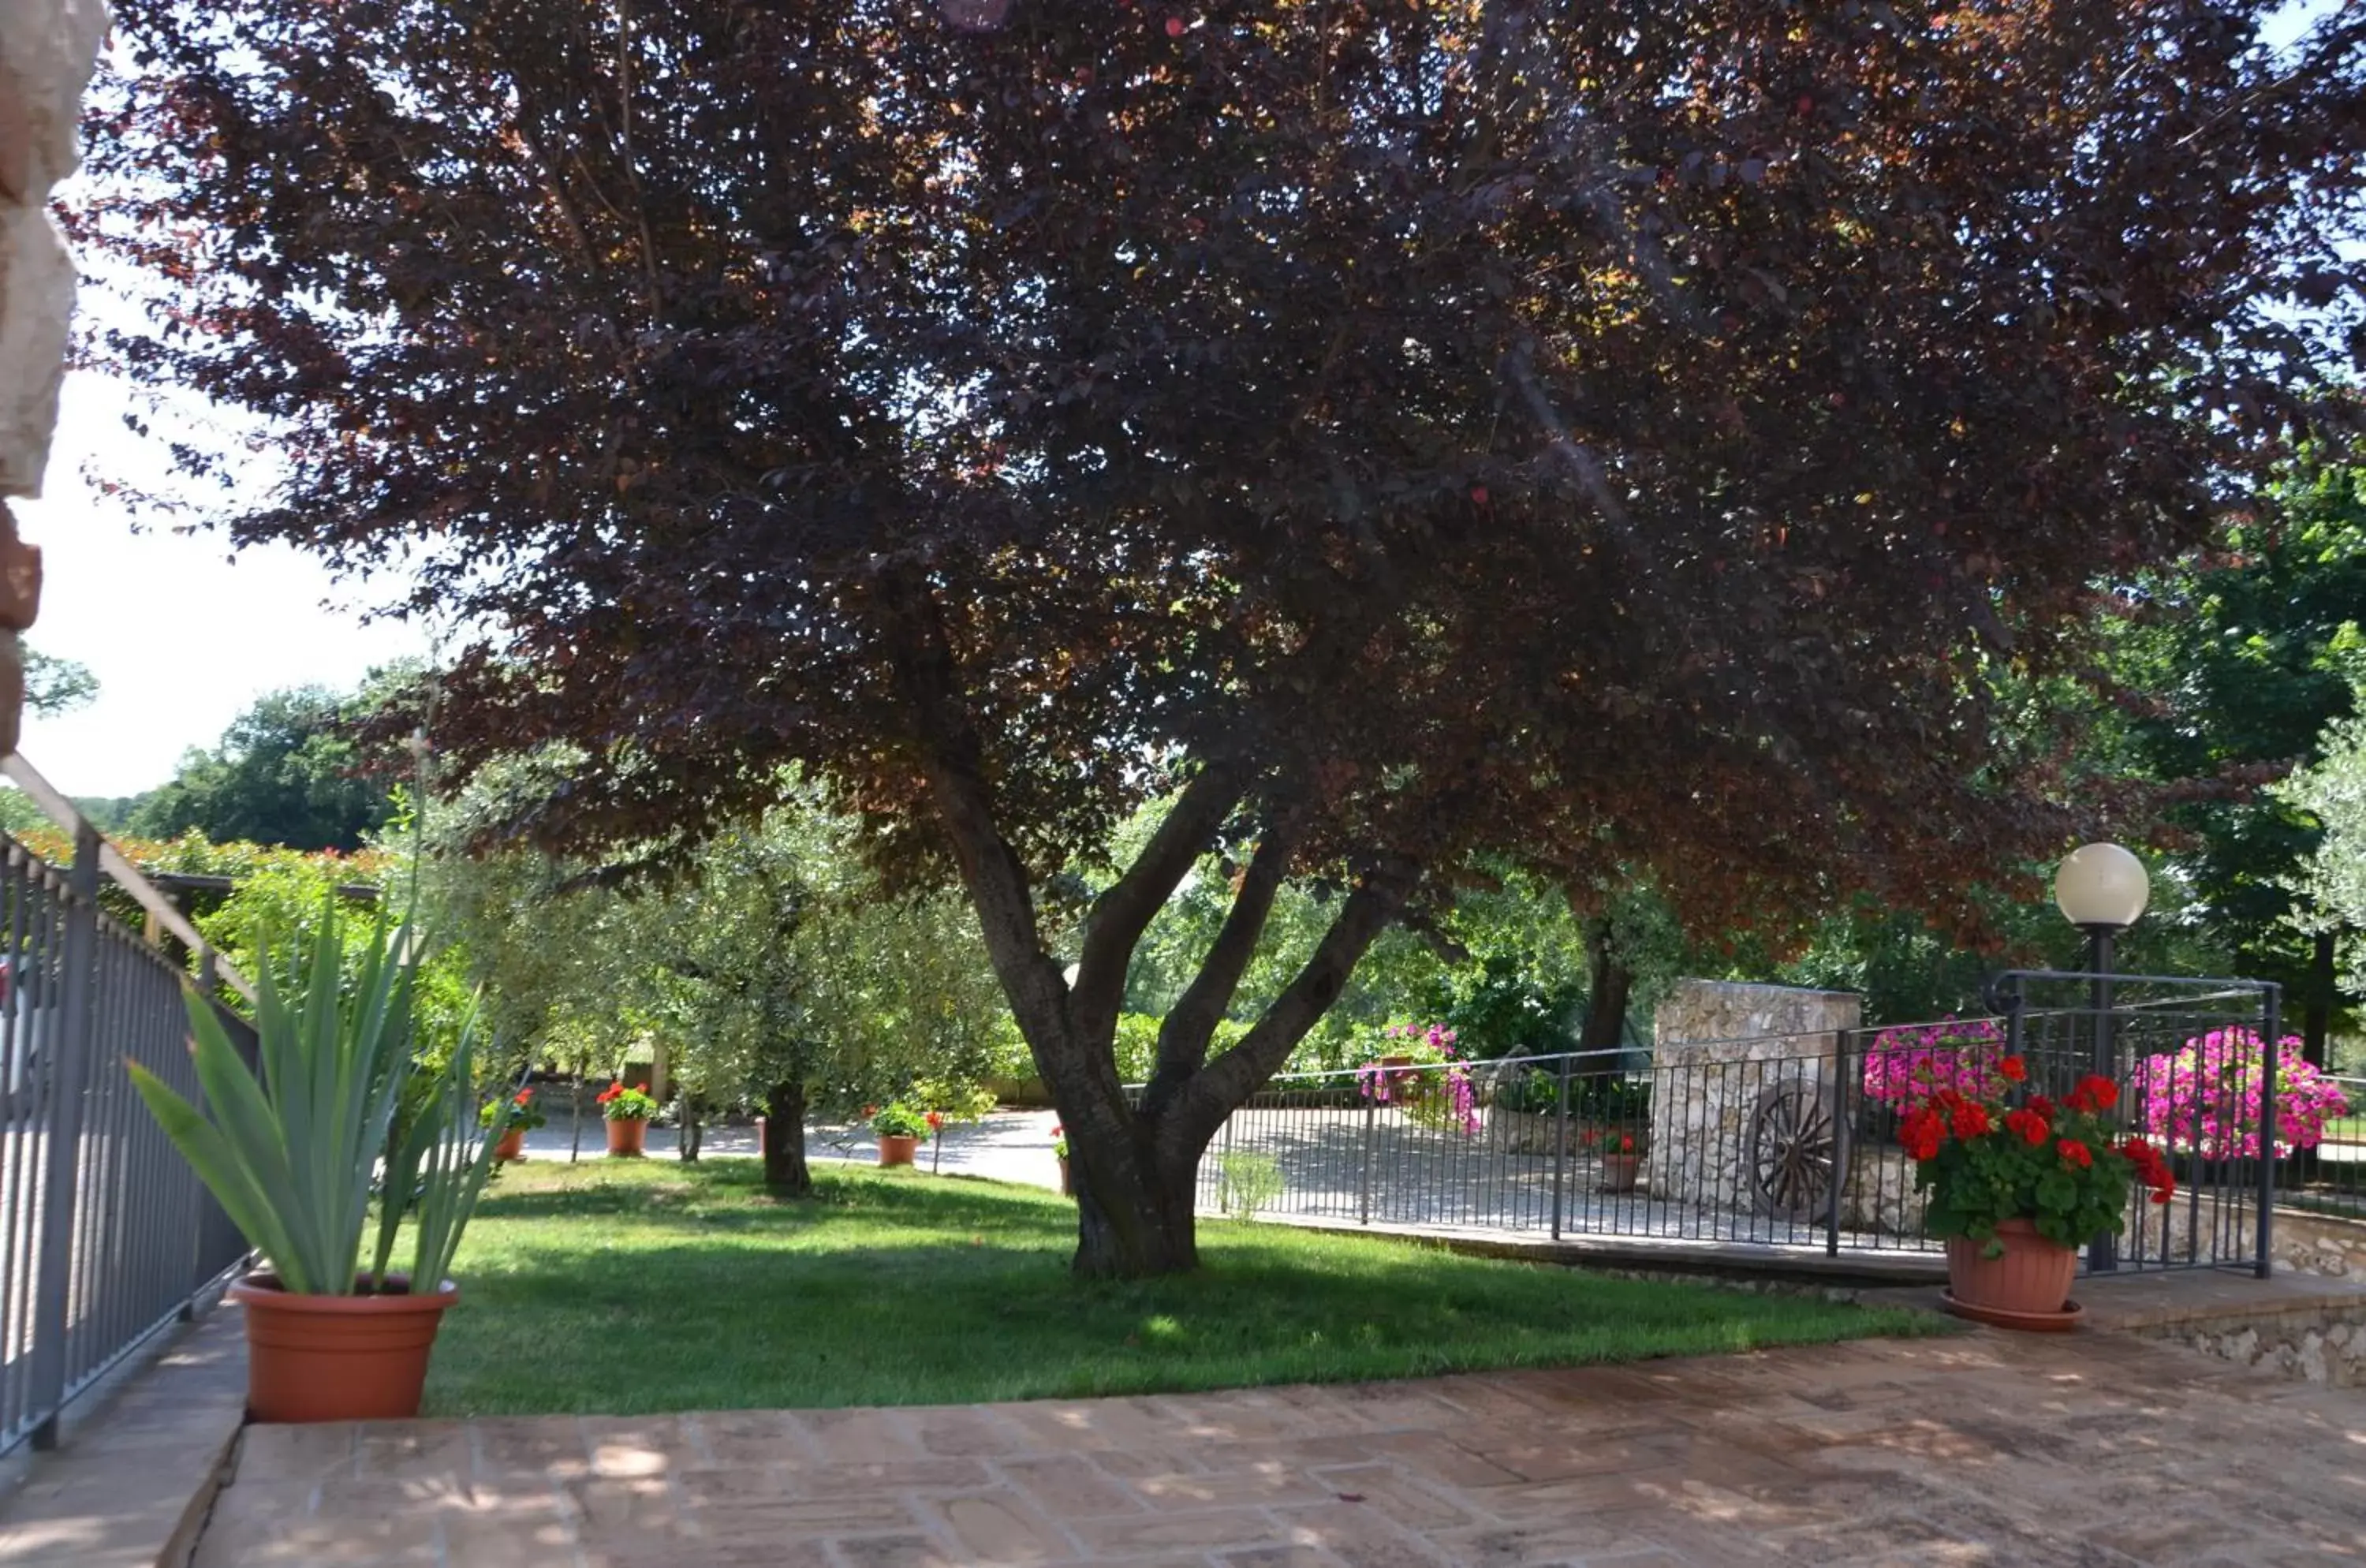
column 2252, row 656
column 54, row 685
column 289, row 770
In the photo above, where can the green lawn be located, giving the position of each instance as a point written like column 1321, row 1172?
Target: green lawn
column 643, row 1286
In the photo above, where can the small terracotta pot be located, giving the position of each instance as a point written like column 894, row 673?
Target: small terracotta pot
column 512, row 1146
column 1619, row 1172
column 894, row 1150
column 2032, row 1276
column 337, row 1357
column 627, row 1135
column 1067, row 1182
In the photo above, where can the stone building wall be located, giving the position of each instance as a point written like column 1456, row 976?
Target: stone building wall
column 1718, row 1047
column 47, row 48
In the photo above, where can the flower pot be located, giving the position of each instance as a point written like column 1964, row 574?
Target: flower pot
column 1619, row 1172
column 2031, row 1277
column 894, row 1150
column 512, row 1146
column 1067, row 1182
column 627, row 1135
column 337, row 1357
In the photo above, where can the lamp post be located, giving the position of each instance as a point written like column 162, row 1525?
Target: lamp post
column 2102, row 889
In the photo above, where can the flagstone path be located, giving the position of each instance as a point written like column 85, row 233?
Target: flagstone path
column 2086, row 1450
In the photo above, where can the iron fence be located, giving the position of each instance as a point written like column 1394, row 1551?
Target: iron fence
column 106, row 1234
column 1781, row 1142
column 2331, row 1177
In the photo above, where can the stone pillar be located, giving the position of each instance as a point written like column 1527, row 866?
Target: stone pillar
column 47, row 48
column 1717, row 1049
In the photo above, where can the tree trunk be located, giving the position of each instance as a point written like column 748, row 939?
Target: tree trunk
column 1609, row 981
column 690, row 1130
column 784, row 1140
column 2316, row 1010
column 1132, row 1228
column 575, row 1122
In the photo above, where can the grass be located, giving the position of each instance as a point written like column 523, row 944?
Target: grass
column 628, row 1287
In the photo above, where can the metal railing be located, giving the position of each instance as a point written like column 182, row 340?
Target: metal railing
column 2331, row 1177
column 1784, row 1142
column 106, row 1234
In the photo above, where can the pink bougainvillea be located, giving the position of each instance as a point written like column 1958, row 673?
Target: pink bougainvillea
column 2204, row 1098
column 1913, row 1062
column 1429, row 1082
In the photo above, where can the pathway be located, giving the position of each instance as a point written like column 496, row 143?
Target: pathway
column 2091, row 1449
column 1009, row 1146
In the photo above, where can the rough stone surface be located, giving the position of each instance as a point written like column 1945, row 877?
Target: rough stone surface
column 2093, row 1449
column 2321, row 1245
column 1717, row 1049
column 46, row 48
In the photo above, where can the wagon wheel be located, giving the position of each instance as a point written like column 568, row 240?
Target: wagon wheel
column 1794, row 1151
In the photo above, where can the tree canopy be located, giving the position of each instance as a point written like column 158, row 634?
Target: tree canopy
column 1632, row 437
column 289, row 770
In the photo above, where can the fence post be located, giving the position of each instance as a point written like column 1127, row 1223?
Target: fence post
column 68, row 1077
column 2272, row 1007
column 1840, row 1142
column 209, row 982
column 1560, row 1143
column 1364, row 1185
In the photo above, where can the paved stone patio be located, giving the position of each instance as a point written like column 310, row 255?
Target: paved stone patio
column 2092, row 1449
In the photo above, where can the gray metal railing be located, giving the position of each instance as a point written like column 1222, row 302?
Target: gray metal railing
column 1785, row 1142
column 106, row 1234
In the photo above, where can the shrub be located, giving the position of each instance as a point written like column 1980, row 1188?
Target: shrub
column 1247, row 1183
column 1915, row 1061
column 899, row 1121
column 2205, row 1097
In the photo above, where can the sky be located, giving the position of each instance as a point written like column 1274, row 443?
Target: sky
column 182, row 636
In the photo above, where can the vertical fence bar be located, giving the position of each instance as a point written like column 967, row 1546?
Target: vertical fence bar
column 2264, row 1263
column 1560, row 1144
column 1840, row 1142
column 1364, row 1182
column 71, row 1051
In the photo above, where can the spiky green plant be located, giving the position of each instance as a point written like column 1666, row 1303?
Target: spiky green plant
column 292, row 1147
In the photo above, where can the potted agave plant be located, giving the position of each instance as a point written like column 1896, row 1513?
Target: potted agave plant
column 2015, row 1188
column 507, row 1121
column 293, row 1151
column 628, row 1111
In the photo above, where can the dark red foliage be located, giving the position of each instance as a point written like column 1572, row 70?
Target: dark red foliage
column 1629, row 434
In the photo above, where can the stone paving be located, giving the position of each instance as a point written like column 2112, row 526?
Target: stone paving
column 2089, row 1449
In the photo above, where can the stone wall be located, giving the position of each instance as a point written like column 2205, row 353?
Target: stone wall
column 1717, row 1048
column 46, row 48
column 2327, row 1346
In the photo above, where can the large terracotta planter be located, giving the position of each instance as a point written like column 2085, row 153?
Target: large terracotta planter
column 1620, row 1172
column 337, row 1357
column 627, row 1135
column 2031, row 1277
column 894, row 1150
column 512, row 1146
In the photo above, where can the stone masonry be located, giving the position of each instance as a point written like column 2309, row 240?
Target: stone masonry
column 47, row 48
column 1719, row 1047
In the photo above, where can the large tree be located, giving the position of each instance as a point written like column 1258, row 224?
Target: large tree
column 289, row 770
column 1616, row 432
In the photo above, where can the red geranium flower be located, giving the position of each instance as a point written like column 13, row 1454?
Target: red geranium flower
column 2040, row 1106
column 2073, row 1152
column 2013, row 1069
column 524, row 1095
column 936, row 1119
column 2028, row 1124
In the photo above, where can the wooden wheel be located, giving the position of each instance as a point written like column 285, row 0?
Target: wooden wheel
column 1794, row 1151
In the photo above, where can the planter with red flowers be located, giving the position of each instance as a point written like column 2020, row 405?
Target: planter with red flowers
column 628, row 1111
column 1622, row 1154
column 507, row 1121
column 2016, row 1182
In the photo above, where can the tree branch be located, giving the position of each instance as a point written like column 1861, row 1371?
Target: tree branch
column 1121, row 914
column 1225, row 1083
column 1191, row 1022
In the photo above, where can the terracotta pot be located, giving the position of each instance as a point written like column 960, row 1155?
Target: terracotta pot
column 894, row 1150
column 2034, row 1275
column 337, row 1357
column 627, row 1135
column 1619, row 1172
column 512, row 1146
column 1067, row 1182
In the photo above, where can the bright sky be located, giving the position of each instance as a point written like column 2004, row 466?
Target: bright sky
column 182, row 636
